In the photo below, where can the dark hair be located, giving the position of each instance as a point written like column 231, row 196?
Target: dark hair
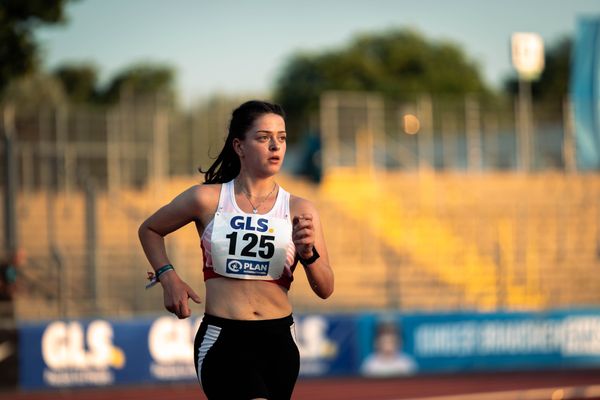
column 227, row 164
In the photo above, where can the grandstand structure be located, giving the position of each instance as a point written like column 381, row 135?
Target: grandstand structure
column 405, row 231
column 397, row 241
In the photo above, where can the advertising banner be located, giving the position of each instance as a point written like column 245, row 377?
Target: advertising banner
column 107, row 352
column 8, row 357
column 101, row 352
column 327, row 344
column 583, row 85
column 462, row 342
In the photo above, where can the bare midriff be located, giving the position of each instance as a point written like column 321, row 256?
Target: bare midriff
column 246, row 299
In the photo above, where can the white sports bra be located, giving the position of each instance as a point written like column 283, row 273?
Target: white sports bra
column 240, row 245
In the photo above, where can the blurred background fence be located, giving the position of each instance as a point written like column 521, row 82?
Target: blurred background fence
column 437, row 204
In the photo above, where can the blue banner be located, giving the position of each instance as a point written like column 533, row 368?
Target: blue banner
column 584, row 92
column 100, row 352
column 460, row 342
column 327, row 344
column 108, row 352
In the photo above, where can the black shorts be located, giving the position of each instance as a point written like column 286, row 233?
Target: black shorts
column 246, row 359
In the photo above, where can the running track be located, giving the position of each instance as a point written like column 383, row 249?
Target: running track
column 551, row 385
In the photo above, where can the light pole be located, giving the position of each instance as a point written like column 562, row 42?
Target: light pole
column 10, row 178
column 527, row 51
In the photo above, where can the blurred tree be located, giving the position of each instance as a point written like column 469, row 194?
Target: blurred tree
column 553, row 84
column 18, row 18
column 142, row 81
column 398, row 63
column 79, row 81
column 35, row 90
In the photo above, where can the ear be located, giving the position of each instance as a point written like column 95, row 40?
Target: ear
column 237, row 147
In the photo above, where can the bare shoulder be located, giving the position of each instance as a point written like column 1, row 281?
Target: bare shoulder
column 299, row 205
column 204, row 197
column 203, row 193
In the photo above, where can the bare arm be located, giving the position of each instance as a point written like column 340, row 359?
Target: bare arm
column 307, row 234
column 187, row 207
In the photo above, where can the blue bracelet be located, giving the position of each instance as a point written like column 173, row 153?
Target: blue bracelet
column 155, row 277
column 163, row 269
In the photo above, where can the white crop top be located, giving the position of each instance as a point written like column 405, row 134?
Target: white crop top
column 242, row 245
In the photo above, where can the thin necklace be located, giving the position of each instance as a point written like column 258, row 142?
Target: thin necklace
column 255, row 207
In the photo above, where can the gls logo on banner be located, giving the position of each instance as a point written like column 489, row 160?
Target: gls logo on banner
column 171, row 345
column 315, row 347
column 71, row 362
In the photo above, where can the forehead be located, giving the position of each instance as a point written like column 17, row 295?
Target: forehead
column 269, row 122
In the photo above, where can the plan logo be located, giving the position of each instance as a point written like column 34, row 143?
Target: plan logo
column 247, row 267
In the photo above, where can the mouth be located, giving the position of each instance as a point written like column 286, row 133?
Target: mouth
column 274, row 159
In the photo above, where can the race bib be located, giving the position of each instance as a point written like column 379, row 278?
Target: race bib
column 248, row 246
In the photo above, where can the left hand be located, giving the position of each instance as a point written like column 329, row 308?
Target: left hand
column 303, row 234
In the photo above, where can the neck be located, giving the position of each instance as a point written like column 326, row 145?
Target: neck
column 253, row 186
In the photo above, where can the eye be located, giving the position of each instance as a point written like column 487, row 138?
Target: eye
column 263, row 138
column 282, row 138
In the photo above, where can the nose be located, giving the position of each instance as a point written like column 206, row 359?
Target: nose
column 273, row 145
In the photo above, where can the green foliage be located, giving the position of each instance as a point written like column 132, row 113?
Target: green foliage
column 142, row 81
column 18, row 18
column 35, row 90
column 79, row 81
column 554, row 82
column 19, row 55
column 398, row 63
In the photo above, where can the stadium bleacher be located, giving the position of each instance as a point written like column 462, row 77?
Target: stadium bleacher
column 397, row 240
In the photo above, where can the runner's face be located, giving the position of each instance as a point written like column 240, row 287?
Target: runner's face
column 263, row 148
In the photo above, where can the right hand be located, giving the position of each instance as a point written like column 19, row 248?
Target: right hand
column 176, row 294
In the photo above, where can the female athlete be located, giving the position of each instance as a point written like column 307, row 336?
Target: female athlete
column 253, row 233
